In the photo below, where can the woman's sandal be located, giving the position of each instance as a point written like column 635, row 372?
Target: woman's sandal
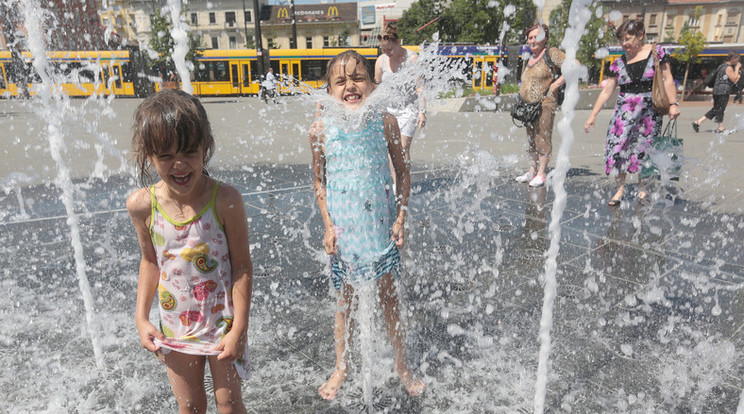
column 615, row 202
column 720, row 131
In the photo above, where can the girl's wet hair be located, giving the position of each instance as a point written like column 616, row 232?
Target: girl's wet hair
column 169, row 121
column 342, row 59
column 631, row 27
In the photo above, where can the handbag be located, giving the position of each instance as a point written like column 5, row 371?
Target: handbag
column 525, row 112
column 659, row 98
column 664, row 158
column 561, row 92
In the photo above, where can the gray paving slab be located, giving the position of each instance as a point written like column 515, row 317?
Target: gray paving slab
column 648, row 316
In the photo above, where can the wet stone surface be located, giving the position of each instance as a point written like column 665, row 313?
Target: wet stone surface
column 648, row 316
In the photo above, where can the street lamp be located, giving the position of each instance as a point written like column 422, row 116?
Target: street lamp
column 259, row 42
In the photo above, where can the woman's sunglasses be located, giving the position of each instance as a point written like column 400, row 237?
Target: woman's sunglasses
column 386, row 38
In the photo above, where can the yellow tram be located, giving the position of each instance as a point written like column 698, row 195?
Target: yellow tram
column 76, row 73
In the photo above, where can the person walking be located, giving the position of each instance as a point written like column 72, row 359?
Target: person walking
column 727, row 75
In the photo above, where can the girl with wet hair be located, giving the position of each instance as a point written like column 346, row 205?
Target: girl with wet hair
column 193, row 236
column 363, row 217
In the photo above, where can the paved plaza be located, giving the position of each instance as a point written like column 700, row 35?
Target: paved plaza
column 648, row 316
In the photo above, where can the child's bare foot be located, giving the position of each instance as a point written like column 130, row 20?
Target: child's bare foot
column 329, row 389
column 413, row 385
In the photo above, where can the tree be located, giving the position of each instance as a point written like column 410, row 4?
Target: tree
column 463, row 21
column 598, row 33
column 693, row 42
column 420, row 13
column 162, row 42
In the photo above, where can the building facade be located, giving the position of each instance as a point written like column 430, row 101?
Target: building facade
column 69, row 25
column 317, row 26
column 719, row 21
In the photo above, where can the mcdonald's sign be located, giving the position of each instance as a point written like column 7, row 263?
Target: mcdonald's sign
column 283, row 13
column 332, row 11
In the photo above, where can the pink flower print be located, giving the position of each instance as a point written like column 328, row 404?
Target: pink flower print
column 207, row 226
column 632, row 103
column 187, row 317
column 201, row 291
column 649, row 74
column 648, row 125
column 613, row 66
column 618, row 127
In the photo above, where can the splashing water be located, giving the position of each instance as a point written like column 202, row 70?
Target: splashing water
column 53, row 105
column 180, row 34
column 578, row 17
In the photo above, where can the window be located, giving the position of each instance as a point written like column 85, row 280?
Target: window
column 212, row 71
column 215, row 43
column 652, row 20
column 194, row 19
column 230, row 18
column 313, row 70
column 247, row 16
column 212, row 18
column 308, row 44
column 233, row 42
column 326, row 41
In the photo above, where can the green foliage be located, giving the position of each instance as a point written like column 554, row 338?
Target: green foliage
column 597, row 34
column 693, row 42
column 420, row 13
column 463, row 21
column 162, row 42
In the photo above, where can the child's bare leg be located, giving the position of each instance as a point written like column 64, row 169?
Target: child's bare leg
column 227, row 384
column 186, row 375
column 391, row 310
column 342, row 330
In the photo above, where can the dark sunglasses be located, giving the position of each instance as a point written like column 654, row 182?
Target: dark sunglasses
column 386, row 38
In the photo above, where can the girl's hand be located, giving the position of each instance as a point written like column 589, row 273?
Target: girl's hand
column 148, row 332
column 421, row 121
column 590, row 123
column 231, row 346
column 329, row 242
column 673, row 111
column 398, row 233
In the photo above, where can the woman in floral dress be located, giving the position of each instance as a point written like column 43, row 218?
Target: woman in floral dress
column 634, row 122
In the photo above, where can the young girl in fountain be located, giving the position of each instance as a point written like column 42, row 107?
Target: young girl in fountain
column 193, row 235
column 362, row 216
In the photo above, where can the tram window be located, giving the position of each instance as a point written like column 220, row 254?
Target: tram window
column 246, row 76
column 212, row 71
column 106, row 76
column 3, row 84
column 488, row 73
column 86, row 75
column 126, row 71
column 117, row 73
column 313, row 70
column 254, row 69
column 477, row 74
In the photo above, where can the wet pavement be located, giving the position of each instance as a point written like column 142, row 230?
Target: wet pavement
column 648, row 316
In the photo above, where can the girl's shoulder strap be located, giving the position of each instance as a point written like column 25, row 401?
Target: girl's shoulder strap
column 214, row 192
column 153, row 206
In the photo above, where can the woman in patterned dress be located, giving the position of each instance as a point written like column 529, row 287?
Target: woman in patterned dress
column 634, row 123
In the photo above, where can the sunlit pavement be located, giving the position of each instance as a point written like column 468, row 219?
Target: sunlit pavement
column 648, row 315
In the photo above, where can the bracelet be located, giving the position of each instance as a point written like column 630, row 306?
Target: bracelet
column 674, row 103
